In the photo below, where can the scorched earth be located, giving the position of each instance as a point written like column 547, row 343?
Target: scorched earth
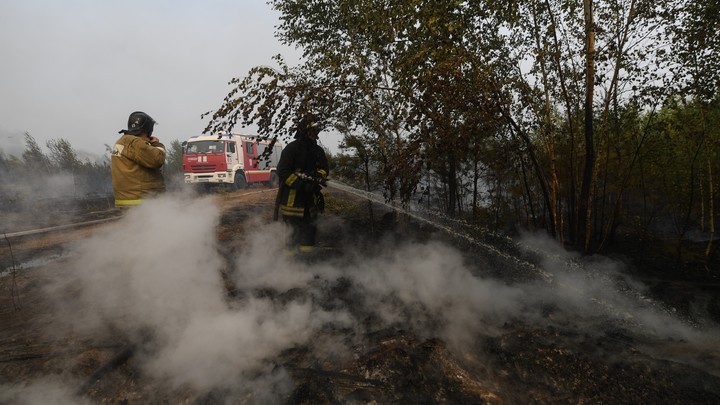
column 194, row 299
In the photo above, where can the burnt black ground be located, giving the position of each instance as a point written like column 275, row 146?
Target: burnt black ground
column 559, row 361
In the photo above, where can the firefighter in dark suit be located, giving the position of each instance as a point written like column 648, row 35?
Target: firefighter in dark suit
column 302, row 170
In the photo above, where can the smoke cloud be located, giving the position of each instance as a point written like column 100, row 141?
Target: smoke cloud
column 41, row 391
column 155, row 276
column 46, row 199
column 596, row 286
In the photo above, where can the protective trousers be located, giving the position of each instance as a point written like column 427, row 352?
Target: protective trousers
column 303, row 231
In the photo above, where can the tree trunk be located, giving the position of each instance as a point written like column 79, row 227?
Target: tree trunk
column 475, row 186
column 572, row 187
column 711, row 213
column 549, row 141
column 609, row 223
column 452, row 183
column 536, row 167
column 530, row 205
column 586, row 193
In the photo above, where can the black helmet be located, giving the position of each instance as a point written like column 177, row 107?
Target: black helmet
column 138, row 123
column 307, row 123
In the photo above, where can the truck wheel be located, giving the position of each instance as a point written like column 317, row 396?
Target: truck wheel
column 240, row 182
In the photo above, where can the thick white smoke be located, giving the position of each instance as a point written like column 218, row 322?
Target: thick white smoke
column 596, row 286
column 43, row 391
column 155, row 276
column 157, row 266
column 433, row 284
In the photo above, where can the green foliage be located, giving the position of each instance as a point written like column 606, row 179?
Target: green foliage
column 358, row 167
column 62, row 155
column 694, row 27
column 174, row 158
column 684, row 157
column 173, row 168
column 37, row 175
column 483, row 102
column 33, row 157
column 405, row 73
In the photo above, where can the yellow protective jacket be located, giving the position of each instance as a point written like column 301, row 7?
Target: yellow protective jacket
column 135, row 167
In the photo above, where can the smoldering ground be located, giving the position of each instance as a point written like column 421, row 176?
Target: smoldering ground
column 154, row 278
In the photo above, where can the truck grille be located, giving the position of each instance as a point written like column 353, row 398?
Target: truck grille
column 202, row 168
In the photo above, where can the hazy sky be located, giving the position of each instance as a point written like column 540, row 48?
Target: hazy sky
column 75, row 69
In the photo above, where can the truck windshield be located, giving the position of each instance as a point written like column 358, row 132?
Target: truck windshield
column 206, row 147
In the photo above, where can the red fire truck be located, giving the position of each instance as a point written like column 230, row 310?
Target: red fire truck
column 229, row 159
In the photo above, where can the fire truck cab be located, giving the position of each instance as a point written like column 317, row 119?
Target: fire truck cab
column 229, row 159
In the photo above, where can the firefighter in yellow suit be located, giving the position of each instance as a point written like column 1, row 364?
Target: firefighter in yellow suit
column 136, row 162
column 303, row 169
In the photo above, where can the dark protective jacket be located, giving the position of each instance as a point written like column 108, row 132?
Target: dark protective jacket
column 135, row 167
column 303, row 166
